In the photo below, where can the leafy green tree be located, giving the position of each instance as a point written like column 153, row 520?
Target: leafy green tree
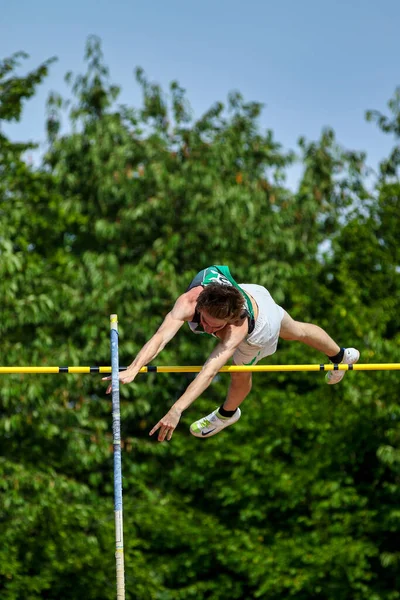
column 300, row 498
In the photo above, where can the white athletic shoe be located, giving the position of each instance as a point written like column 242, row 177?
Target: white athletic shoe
column 212, row 424
column 351, row 356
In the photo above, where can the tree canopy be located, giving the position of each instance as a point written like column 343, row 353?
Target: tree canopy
column 301, row 497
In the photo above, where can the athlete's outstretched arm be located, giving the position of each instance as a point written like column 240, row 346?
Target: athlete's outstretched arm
column 169, row 327
column 217, row 359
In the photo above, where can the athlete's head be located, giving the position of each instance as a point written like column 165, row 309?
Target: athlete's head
column 222, row 302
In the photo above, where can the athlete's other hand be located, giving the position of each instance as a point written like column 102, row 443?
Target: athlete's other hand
column 124, row 377
column 167, row 425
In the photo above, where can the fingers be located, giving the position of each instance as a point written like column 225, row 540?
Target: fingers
column 122, row 379
column 155, row 428
column 165, row 432
column 110, row 388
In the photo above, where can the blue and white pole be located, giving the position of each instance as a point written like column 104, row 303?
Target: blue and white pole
column 119, row 537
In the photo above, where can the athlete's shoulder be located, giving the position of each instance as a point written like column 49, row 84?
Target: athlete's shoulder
column 185, row 305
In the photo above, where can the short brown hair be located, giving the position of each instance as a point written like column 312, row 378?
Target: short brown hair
column 223, row 302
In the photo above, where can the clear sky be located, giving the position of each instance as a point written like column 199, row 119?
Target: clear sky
column 312, row 63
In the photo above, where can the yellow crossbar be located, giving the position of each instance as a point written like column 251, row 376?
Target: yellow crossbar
column 196, row 369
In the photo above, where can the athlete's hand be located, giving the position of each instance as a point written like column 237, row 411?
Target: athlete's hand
column 124, row 377
column 167, row 425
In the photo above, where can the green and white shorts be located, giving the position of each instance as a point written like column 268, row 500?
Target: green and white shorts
column 263, row 340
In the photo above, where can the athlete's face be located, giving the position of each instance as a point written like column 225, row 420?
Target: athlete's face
column 210, row 324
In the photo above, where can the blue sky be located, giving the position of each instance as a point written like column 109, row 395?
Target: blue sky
column 312, row 63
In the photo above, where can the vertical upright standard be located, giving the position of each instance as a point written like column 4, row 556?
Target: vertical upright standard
column 119, row 537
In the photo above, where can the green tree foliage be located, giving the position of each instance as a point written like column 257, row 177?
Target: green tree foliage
column 300, row 499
